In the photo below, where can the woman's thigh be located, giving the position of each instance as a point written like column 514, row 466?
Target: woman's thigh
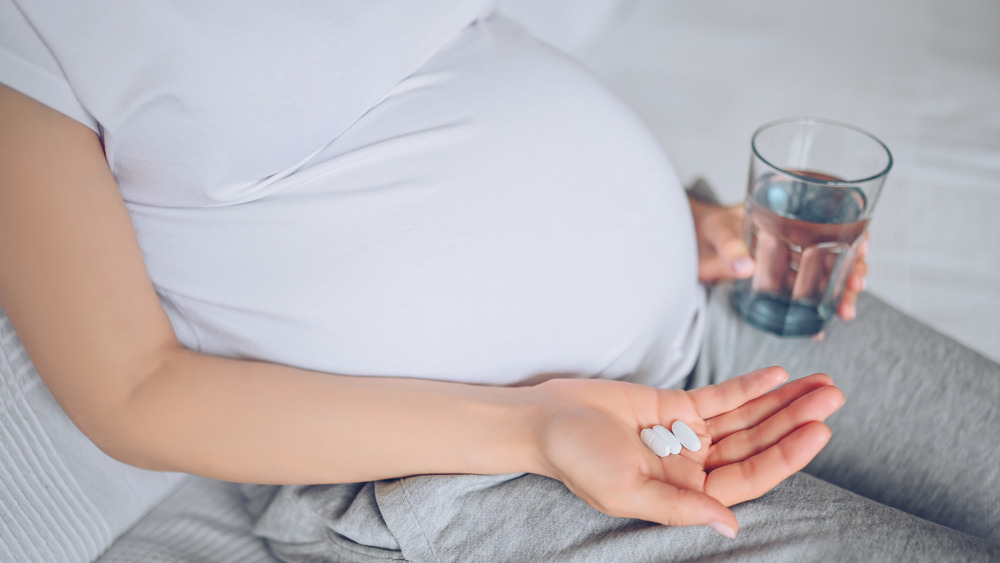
column 918, row 430
column 533, row 518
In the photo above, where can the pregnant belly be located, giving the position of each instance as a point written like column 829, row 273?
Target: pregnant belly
column 497, row 217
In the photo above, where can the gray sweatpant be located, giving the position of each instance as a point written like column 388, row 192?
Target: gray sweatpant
column 912, row 473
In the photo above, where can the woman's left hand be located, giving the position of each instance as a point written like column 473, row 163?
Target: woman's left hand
column 723, row 256
column 753, row 436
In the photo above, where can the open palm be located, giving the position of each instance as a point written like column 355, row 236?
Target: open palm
column 753, row 437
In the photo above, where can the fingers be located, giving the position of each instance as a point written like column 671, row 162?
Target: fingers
column 734, row 254
column 856, row 281
column 722, row 251
column 712, row 269
column 855, row 284
column 848, row 308
column 713, row 400
column 754, row 412
column 735, row 263
column 751, row 478
column 816, row 405
column 723, row 233
column 683, row 471
column 655, row 501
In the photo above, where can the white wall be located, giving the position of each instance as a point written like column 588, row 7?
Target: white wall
column 924, row 75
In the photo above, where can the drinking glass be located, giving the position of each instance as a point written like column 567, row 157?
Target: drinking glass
column 812, row 189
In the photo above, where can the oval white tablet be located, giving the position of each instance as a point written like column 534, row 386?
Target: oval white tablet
column 673, row 444
column 647, row 436
column 688, row 438
column 658, row 446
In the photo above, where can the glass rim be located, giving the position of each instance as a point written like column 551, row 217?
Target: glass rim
column 805, row 120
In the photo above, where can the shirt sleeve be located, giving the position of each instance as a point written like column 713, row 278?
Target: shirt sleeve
column 28, row 66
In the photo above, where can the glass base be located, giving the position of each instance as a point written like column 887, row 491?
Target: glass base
column 779, row 316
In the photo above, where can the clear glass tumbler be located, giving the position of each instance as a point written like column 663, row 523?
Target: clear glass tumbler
column 813, row 187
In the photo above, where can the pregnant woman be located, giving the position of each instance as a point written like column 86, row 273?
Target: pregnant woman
column 424, row 281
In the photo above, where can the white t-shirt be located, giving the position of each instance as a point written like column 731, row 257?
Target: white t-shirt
column 376, row 188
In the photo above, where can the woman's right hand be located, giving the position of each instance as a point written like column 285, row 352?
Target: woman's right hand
column 753, row 436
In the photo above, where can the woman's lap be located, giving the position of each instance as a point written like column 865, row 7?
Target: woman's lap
column 898, row 442
column 532, row 518
column 917, row 431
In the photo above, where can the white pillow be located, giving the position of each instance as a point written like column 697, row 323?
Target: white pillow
column 61, row 498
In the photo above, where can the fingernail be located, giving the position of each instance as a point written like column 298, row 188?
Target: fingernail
column 850, row 312
column 722, row 529
column 743, row 266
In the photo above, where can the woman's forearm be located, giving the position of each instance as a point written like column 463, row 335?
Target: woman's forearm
column 258, row 422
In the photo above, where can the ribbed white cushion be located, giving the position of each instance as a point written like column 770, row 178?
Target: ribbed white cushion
column 61, row 498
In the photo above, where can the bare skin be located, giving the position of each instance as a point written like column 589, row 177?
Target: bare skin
column 73, row 283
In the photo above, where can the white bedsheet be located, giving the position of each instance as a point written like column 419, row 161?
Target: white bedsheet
column 924, row 75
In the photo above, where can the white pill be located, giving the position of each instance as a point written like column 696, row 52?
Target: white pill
column 646, row 436
column 658, row 447
column 688, row 438
column 654, row 443
column 673, row 444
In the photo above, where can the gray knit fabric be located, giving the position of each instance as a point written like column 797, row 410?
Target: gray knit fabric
column 202, row 520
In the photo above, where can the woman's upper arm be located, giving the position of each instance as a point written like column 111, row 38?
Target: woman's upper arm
column 72, row 278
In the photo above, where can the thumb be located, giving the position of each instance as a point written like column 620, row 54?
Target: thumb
column 656, row 501
column 732, row 251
